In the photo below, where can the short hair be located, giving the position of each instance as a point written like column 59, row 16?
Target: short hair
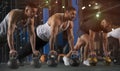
column 70, row 8
column 32, row 5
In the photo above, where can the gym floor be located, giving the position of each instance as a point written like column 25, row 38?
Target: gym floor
column 99, row 67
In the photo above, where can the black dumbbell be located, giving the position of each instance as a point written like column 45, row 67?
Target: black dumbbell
column 13, row 63
column 52, row 59
column 74, row 59
column 36, row 62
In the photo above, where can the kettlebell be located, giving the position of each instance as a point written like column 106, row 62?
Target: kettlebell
column 36, row 62
column 107, row 61
column 13, row 63
column 74, row 59
column 43, row 58
column 52, row 59
column 93, row 60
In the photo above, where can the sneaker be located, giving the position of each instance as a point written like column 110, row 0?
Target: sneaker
column 86, row 62
column 66, row 61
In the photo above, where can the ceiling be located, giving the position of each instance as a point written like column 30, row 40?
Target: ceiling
column 109, row 7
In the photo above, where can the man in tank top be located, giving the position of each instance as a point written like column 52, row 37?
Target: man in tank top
column 114, row 44
column 47, row 32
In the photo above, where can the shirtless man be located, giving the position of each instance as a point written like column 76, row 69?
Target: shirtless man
column 47, row 32
column 15, row 19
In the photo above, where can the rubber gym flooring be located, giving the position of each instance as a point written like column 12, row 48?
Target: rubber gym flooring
column 99, row 67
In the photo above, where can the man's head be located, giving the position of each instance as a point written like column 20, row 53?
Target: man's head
column 70, row 13
column 106, row 24
column 31, row 9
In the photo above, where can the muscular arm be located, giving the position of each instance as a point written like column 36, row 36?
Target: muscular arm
column 91, row 40
column 54, row 32
column 11, row 28
column 32, row 33
column 105, row 43
column 70, row 36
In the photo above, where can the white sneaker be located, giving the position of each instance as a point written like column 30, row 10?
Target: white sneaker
column 66, row 61
column 86, row 62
